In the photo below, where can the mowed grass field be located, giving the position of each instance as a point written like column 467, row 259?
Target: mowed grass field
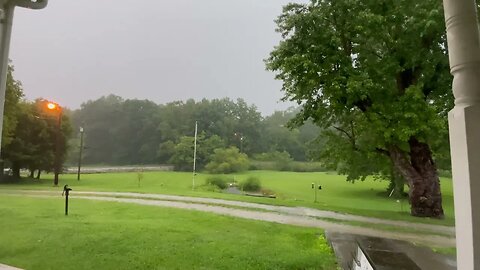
column 35, row 234
column 366, row 198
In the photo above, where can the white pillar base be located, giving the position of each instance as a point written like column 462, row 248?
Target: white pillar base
column 464, row 122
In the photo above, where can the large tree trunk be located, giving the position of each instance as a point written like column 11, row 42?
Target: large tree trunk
column 420, row 172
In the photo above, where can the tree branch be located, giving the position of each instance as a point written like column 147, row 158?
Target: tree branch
column 350, row 137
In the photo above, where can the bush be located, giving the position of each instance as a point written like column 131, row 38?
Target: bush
column 262, row 165
column 227, row 160
column 217, row 181
column 251, row 184
column 281, row 160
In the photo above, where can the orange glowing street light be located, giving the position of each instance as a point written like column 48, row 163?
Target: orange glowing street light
column 51, row 106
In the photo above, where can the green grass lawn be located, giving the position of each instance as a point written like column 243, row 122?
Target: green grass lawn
column 366, row 198
column 35, row 234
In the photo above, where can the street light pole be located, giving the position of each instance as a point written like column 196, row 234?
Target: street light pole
column 80, row 154
column 57, row 147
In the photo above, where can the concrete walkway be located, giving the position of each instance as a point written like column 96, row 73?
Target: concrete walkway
column 393, row 253
column 298, row 216
column 7, row 267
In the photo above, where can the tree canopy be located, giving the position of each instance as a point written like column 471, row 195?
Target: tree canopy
column 30, row 132
column 375, row 76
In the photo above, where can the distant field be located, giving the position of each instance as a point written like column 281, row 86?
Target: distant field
column 101, row 235
column 362, row 198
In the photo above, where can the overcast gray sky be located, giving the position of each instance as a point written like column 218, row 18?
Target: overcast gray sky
column 76, row 50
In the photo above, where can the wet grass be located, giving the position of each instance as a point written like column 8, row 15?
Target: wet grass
column 366, row 198
column 104, row 235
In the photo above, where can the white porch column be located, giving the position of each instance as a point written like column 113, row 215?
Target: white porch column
column 464, row 121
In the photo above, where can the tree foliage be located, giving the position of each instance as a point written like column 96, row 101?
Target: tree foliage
column 227, row 160
column 13, row 96
column 182, row 156
column 119, row 131
column 375, row 76
column 30, row 131
column 33, row 146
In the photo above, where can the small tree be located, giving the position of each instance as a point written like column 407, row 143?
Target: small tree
column 227, row 160
column 182, row 157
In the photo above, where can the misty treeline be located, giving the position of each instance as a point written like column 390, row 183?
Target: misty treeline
column 121, row 131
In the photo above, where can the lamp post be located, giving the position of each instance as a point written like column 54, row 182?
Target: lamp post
column 80, row 154
column 57, row 164
column 7, row 8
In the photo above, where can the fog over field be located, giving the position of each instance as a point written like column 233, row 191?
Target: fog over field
column 73, row 51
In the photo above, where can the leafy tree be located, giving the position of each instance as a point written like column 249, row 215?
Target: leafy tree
column 378, row 82
column 282, row 160
column 227, row 160
column 13, row 96
column 136, row 139
column 279, row 136
column 182, row 157
column 34, row 144
column 100, row 118
column 165, row 151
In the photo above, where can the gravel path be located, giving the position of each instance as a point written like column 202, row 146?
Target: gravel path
column 298, row 216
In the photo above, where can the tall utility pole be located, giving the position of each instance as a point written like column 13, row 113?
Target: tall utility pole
column 80, row 154
column 194, row 155
column 7, row 8
column 58, row 142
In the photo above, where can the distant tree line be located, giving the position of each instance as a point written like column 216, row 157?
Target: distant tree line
column 122, row 131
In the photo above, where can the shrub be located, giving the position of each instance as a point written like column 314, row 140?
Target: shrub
column 283, row 161
column 227, row 160
column 217, row 181
column 251, row 184
column 262, row 165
